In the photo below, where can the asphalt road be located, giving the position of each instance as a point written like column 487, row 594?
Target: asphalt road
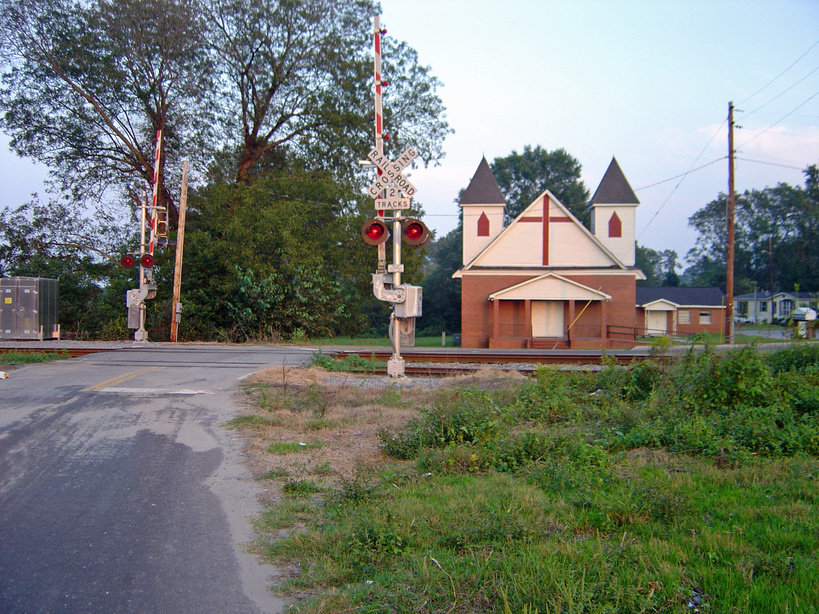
column 121, row 492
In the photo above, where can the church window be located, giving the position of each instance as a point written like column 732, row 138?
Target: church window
column 483, row 225
column 615, row 226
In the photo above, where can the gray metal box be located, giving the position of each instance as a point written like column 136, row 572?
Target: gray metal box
column 28, row 308
column 411, row 307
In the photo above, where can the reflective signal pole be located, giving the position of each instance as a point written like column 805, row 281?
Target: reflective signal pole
column 395, row 365
column 141, row 334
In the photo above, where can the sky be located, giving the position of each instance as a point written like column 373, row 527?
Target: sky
column 646, row 81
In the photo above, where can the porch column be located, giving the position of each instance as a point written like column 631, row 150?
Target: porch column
column 527, row 320
column 569, row 332
column 603, row 320
column 496, row 318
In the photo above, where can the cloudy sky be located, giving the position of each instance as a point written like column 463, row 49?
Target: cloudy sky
column 647, row 81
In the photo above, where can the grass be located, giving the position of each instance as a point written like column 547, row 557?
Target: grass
column 660, row 487
column 14, row 358
column 286, row 447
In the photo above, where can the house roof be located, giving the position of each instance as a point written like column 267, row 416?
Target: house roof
column 483, row 188
column 681, row 296
column 549, row 287
column 614, row 188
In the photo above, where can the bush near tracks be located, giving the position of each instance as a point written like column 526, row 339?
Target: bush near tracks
column 661, row 487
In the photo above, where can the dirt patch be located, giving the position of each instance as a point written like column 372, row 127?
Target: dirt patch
column 324, row 426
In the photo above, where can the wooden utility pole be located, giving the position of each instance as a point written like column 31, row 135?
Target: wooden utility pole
column 729, row 273
column 176, row 306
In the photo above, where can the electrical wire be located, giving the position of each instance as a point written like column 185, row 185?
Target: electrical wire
column 771, row 82
column 778, row 121
column 780, row 94
column 688, row 172
column 798, row 168
column 682, row 178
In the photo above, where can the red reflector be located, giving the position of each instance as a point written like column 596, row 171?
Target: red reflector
column 375, row 232
column 414, row 231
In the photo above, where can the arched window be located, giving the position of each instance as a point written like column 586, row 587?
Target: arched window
column 615, row 226
column 483, row 225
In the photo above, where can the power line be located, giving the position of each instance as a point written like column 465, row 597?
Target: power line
column 773, row 125
column 688, row 172
column 798, row 168
column 782, row 93
column 769, row 83
column 682, row 178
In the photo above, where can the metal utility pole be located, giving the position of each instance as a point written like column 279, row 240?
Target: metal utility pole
column 729, row 274
column 176, row 306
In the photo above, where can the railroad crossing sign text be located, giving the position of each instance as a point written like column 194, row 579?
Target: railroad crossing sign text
column 392, row 173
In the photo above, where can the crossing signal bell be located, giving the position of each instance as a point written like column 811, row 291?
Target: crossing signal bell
column 414, row 232
column 375, row 232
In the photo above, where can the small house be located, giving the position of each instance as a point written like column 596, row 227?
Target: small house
column 680, row 311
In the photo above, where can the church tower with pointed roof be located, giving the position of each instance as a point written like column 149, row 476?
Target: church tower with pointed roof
column 482, row 205
column 614, row 206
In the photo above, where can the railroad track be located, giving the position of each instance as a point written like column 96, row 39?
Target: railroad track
column 501, row 357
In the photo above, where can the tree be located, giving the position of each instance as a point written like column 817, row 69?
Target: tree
column 523, row 176
column 776, row 239
column 442, row 294
column 56, row 240
column 300, row 74
column 86, row 85
column 660, row 268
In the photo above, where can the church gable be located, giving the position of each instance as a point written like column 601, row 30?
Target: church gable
column 545, row 234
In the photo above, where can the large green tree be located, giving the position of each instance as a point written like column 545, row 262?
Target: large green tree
column 87, row 83
column 776, row 238
column 522, row 176
column 660, row 268
column 86, row 86
column 442, row 294
column 300, row 74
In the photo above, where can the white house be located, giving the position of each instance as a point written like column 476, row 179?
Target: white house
column 760, row 308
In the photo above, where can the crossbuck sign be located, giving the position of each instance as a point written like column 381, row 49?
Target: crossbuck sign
column 392, row 180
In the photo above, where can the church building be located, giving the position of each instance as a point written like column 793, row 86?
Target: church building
column 545, row 280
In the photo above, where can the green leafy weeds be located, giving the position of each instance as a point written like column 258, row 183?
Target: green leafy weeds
column 663, row 486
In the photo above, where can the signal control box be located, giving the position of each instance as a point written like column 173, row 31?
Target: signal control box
column 410, row 307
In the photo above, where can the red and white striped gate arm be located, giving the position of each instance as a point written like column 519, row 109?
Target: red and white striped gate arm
column 379, row 113
column 154, row 211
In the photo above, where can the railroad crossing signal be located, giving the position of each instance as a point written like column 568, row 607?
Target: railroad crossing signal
column 146, row 260
column 375, row 232
column 414, row 232
column 391, row 174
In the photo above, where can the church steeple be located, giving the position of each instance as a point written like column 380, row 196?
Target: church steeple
column 614, row 206
column 482, row 204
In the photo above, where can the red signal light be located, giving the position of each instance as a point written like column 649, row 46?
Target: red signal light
column 415, row 232
column 128, row 261
column 375, row 232
column 147, row 260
